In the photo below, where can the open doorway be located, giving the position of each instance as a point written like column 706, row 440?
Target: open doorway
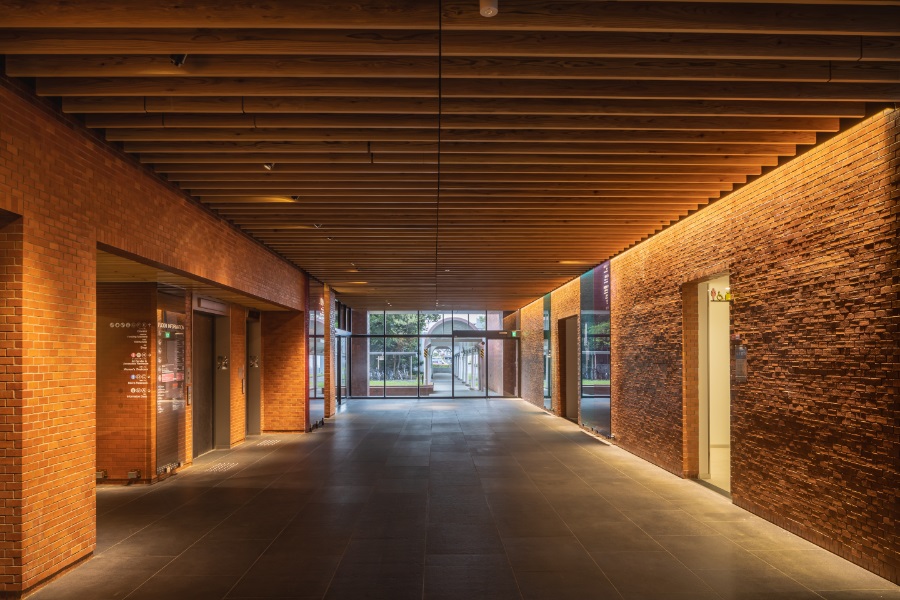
column 714, row 382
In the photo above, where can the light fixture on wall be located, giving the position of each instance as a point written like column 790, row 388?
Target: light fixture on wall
column 268, row 166
column 489, row 8
column 178, row 59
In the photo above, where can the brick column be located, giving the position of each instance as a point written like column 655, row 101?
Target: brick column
column 690, row 361
column 285, row 399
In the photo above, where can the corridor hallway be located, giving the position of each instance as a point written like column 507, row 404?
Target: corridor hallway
column 450, row 499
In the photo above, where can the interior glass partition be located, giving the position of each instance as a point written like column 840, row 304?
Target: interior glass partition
column 596, row 371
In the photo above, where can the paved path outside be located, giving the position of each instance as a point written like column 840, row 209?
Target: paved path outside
column 443, row 499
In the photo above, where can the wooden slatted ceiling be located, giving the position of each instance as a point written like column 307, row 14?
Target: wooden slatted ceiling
column 423, row 155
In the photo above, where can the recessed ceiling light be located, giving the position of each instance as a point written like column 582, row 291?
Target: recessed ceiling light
column 319, row 226
column 330, row 239
column 268, row 166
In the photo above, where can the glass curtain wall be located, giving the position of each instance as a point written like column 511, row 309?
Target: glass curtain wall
column 316, row 336
column 413, row 353
column 548, row 360
column 595, row 350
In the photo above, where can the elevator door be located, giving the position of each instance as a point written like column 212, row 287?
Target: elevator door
column 203, row 341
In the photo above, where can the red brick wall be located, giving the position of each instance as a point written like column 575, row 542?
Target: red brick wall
column 238, row 368
column 125, row 439
column 10, row 399
column 531, row 366
column 74, row 192
column 510, row 357
column 812, row 256
column 285, row 405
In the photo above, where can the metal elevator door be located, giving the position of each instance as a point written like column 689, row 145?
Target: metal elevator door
column 203, row 381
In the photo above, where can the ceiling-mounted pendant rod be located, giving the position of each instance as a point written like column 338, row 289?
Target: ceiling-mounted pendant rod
column 489, row 8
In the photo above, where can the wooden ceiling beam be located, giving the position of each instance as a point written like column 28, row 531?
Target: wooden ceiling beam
column 555, row 15
column 231, row 86
column 255, row 66
column 479, row 42
column 498, row 147
column 240, row 41
column 502, row 170
column 860, row 18
column 376, row 147
column 640, row 107
column 641, row 122
column 147, row 127
column 451, row 179
column 336, row 14
column 211, row 65
column 467, row 88
column 452, row 186
column 297, row 120
column 326, row 107
column 718, row 46
column 282, row 136
column 698, row 195
column 459, row 159
column 738, row 90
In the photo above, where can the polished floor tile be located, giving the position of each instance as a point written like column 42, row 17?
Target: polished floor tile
column 443, row 500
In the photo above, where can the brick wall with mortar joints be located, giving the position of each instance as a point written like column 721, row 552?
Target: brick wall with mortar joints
column 531, row 366
column 510, row 358
column 811, row 251
column 238, row 361
column 285, row 406
column 11, row 248
column 74, row 193
column 124, row 435
column 565, row 302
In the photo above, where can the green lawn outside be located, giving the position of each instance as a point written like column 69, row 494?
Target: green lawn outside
column 595, row 382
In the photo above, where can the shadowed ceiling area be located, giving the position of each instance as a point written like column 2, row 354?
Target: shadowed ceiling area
column 416, row 153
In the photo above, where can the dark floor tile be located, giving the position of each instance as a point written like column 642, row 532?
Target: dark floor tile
column 649, row 573
column 385, row 550
column 668, row 522
column 185, row 587
column 387, row 581
column 820, row 570
column 557, row 554
column 751, row 583
column 102, row 578
column 210, row 557
column 615, row 536
column 709, row 552
column 567, row 585
column 476, row 579
column 862, row 595
column 525, row 524
column 463, row 512
column 478, row 537
column 279, row 575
